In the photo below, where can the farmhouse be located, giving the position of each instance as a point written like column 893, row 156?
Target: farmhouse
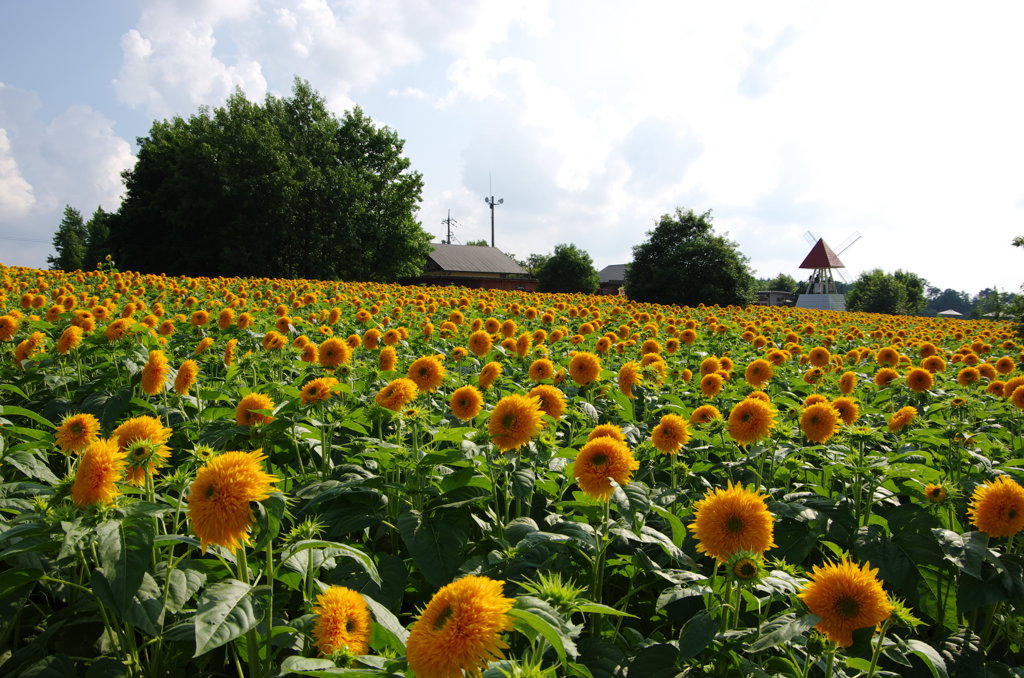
column 473, row 266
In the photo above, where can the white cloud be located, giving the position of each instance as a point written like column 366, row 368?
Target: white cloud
column 16, row 196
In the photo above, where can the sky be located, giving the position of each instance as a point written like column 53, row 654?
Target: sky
column 900, row 123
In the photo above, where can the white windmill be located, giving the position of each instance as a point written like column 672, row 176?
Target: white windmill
column 821, row 287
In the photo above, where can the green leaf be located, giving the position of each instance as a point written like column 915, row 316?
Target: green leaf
column 124, row 548
column 387, row 621
column 146, row 610
column 523, row 481
column 784, row 633
column 930, row 656
column 678, row 529
column 227, row 610
column 8, row 410
column 966, row 551
column 696, row 635
column 434, row 543
column 328, row 549
column 598, row 608
column 185, row 580
column 526, row 619
column 32, row 466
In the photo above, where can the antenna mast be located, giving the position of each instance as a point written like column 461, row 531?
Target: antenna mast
column 449, row 222
column 491, row 202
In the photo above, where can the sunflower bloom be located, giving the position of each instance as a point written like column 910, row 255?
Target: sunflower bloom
column 606, row 430
column 219, row 498
column 902, row 417
column 847, row 382
column 397, row 394
column 600, row 461
column 489, row 374
column 480, row 343
column 551, row 399
column 997, row 507
column 343, row 622
column 936, row 494
column 143, row 439
column 629, row 376
column 186, row 377
column 317, row 390
column 541, row 369
column 246, row 413
column 584, row 368
column 334, row 352
column 751, row 420
column 819, row 422
column 466, row 402
column 70, row 338
column 846, row 597
column 101, row 466
column 705, row 414
column 427, row 373
column 460, row 629
column 758, row 373
column 731, row 520
column 77, row 432
column 919, row 380
column 516, row 419
column 711, row 384
column 1017, row 397
column 670, row 434
column 848, row 409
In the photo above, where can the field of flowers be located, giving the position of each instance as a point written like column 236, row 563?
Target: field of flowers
column 252, row 477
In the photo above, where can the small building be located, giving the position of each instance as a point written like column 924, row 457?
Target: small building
column 473, row 266
column 613, row 278
column 775, row 298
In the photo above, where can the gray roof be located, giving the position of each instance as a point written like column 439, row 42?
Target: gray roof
column 473, row 259
column 613, row 273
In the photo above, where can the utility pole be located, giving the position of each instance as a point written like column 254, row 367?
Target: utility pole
column 449, row 222
column 491, row 202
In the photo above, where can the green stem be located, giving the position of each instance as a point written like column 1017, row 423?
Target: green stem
column 878, row 648
column 250, row 636
column 600, row 548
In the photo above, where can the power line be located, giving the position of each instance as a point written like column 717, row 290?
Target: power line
column 16, row 239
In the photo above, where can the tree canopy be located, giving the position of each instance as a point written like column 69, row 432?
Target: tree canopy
column 899, row 293
column 569, row 269
column 683, row 262
column 69, row 242
column 282, row 189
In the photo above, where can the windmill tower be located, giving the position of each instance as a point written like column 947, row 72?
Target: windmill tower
column 821, row 287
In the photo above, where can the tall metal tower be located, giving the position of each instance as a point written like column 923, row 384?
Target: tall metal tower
column 491, row 202
column 449, row 222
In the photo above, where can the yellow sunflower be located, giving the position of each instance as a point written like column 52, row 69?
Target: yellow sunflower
column 731, row 520
column 489, row 374
column 188, row 372
column 143, row 438
column 758, row 372
column 902, row 417
column 387, row 359
column 541, row 369
column 936, row 494
column 427, row 373
column 846, row 597
column 155, row 372
column 711, row 384
column 245, row 411
column 847, row 382
column 317, row 390
column 584, row 368
column 705, row 414
column 343, row 622
column 101, row 466
column 516, row 419
column 77, row 432
column 219, row 498
column 750, row 420
column 70, row 338
column 459, row 631
column 1017, row 397
column 334, row 352
column 397, row 394
column 600, row 461
column 919, row 379
column 606, row 430
column 480, row 343
column 968, row 376
column 997, row 507
column 466, row 402
column 819, row 422
column 670, row 434
column 848, row 409
column 630, row 375
column 551, row 399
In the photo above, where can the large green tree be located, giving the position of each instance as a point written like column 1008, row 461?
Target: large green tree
column 69, row 242
column 282, row 189
column 875, row 291
column 684, row 262
column 569, row 269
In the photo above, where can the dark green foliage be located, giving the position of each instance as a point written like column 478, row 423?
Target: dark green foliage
column 683, row 262
column 569, row 269
column 97, row 243
column 946, row 299
column 479, row 243
column 780, row 283
column 875, row 291
column 69, row 242
column 283, row 189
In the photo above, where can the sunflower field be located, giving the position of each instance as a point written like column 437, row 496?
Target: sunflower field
column 255, row 477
